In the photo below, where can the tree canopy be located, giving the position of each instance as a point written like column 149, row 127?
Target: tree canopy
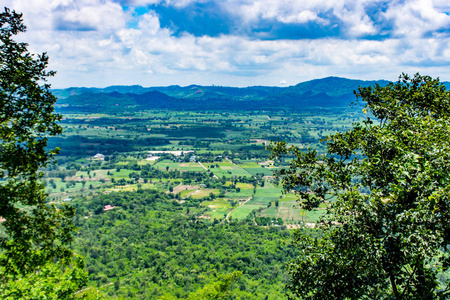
column 33, row 233
column 386, row 231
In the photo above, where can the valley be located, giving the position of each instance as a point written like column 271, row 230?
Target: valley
column 169, row 200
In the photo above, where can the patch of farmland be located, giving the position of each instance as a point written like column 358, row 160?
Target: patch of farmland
column 189, row 166
column 243, row 211
column 254, row 168
column 265, row 195
column 204, row 193
column 219, row 208
column 243, row 194
column 180, row 188
column 291, row 213
column 123, row 173
column 227, row 169
column 243, row 185
column 259, row 170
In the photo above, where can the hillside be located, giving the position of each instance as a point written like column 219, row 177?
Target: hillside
column 326, row 92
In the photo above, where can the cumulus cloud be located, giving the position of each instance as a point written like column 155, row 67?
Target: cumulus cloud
column 78, row 15
column 235, row 42
column 301, row 17
column 418, row 18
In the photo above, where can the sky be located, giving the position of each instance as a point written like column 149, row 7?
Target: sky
column 98, row 43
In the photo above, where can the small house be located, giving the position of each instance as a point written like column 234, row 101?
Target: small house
column 108, row 207
column 99, row 156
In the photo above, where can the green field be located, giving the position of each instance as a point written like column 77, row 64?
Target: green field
column 184, row 166
column 230, row 145
column 265, row 195
column 219, row 208
column 254, row 169
column 226, row 169
column 243, row 211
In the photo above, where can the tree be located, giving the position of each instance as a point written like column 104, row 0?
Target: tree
column 216, row 290
column 386, row 234
column 34, row 234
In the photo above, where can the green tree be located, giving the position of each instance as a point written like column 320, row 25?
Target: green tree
column 220, row 289
column 33, row 233
column 386, row 233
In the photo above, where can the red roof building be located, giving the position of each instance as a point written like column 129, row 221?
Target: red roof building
column 108, row 207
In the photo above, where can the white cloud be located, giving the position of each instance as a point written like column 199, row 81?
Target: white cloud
column 416, row 18
column 112, row 53
column 302, row 17
column 350, row 12
column 100, row 16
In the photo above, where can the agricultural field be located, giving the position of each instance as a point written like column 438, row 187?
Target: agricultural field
column 215, row 160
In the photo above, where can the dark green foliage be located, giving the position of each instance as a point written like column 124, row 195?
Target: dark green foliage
column 151, row 242
column 326, row 92
column 33, row 234
column 386, row 234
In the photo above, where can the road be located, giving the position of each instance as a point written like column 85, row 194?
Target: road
column 240, row 204
column 207, row 169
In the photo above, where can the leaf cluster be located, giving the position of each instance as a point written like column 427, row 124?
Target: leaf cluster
column 32, row 232
column 386, row 233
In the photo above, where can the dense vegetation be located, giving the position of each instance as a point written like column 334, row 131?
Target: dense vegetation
column 220, row 184
column 233, row 195
column 34, row 236
column 386, row 235
column 329, row 92
column 150, row 245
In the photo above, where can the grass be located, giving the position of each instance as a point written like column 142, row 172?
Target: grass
column 243, row 211
column 185, row 193
column 227, row 169
column 314, row 215
column 243, row 185
column 219, row 208
column 291, row 214
column 204, row 193
column 188, row 166
column 265, row 195
column 254, row 168
column 123, row 173
column 243, row 194
column 146, row 162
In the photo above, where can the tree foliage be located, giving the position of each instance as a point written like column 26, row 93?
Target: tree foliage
column 387, row 230
column 33, row 233
column 216, row 290
column 159, row 247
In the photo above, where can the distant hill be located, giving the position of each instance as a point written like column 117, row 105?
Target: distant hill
column 325, row 92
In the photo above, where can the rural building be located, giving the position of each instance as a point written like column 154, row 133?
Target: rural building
column 99, row 156
column 108, row 207
column 152, row 157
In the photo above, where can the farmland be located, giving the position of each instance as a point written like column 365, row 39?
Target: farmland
column 168, row 199
column 221, row 156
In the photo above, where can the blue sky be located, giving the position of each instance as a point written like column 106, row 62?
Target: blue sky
column 236, row 42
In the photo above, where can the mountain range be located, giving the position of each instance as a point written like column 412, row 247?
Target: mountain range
column 325, row 92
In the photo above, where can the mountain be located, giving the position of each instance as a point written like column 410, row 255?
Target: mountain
column 325, row 92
